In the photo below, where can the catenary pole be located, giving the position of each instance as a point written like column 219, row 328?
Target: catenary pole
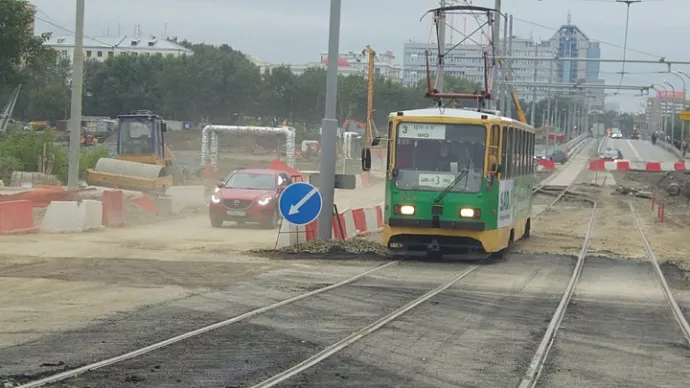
column 329, row 127
column 77, row 90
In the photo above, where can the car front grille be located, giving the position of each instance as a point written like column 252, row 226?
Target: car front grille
column 236, row 203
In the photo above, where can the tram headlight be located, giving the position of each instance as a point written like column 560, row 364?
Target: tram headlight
column 405, row 210
column 469, row 213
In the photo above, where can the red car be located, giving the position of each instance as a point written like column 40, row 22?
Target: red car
column 248, row 196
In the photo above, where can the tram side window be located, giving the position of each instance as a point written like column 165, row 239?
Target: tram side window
column 531, row 153
column 493, row 146
column 517, row 152
column 504, row 153
column 523, row 152
column 513, row 152
column 388, row 153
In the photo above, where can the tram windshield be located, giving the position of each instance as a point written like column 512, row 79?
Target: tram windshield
column 430, row 156
column 136, row 136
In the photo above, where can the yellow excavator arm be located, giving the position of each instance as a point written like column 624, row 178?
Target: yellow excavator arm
column 518, row 108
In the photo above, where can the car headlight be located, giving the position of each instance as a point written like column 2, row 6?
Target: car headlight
column 215, row 199
column 264, row 201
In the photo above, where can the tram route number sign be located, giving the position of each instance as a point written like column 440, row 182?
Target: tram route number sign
column 422, row 131
column 435, row 180
column 505, row 203
column 685, row 115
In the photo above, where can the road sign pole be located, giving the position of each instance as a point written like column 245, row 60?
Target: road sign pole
column 330, row 126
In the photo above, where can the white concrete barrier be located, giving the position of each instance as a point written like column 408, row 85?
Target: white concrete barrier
column 182, row 197
column 290, row 234
column 91, row 214
column 62, row 217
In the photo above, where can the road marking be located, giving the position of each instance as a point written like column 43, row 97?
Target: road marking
column 637, row 154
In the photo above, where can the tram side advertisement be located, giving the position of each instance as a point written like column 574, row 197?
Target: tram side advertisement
column 505, row 202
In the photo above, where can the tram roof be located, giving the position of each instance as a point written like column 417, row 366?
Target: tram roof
column 455, row 113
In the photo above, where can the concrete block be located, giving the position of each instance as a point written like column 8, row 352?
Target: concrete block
column 182, row 197
column 91, row 214
column 62, row 217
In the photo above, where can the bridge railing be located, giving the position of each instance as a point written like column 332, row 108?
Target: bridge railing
column 670, row 148
column 576, row 143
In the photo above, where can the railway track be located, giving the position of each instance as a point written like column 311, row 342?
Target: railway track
column 533, row 373
column 311, row 361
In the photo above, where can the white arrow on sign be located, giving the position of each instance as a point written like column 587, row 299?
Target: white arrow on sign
column 294, row 209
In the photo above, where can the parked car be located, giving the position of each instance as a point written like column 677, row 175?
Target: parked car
column 249, row 195
column 559, row 156
column 540, row 155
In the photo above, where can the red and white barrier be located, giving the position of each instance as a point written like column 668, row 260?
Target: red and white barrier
column 16, row 217
column 546, row 164
column 626, row 165
column 347, row 224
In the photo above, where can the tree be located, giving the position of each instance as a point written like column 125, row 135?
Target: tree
column 21, row 50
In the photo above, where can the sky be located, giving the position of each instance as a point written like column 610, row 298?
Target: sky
column 296, row 31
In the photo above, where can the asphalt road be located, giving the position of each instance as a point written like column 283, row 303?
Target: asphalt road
column 641, row 150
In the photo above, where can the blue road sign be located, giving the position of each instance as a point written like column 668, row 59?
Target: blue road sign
column 300, row 203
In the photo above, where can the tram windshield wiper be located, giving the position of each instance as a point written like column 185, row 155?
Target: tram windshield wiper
column 455, row 181
column 452, row 184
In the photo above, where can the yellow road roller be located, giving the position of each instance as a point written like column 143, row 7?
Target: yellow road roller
column 143, row 161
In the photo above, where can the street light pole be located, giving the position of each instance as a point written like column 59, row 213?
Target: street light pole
column 330, row 127
column 662, row 117
column 685, row 105
column 673, row 113
column 77, row 90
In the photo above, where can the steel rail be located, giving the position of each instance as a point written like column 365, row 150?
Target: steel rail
column 668, row 294
column 150, row 348
column 536, row 365
column 354, row 337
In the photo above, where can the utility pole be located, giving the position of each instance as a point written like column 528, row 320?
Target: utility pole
column 441, row 46
column 534, row 89
column 673, row 112
column 329, row 127
column 77, row 90
column 504, row 68
column 509, row 105
column 496, row 35
column 549, row 97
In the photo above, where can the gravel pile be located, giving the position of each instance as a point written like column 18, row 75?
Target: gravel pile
column 339, row 247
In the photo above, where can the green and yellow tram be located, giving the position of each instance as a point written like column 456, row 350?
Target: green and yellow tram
column 458, row 182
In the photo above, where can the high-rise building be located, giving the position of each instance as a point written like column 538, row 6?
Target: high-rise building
column 570, row 42
column 661, row 108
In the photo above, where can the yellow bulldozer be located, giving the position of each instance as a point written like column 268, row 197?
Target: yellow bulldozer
column 143, row 161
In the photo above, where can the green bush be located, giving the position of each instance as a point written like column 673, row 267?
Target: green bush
column 19, row 151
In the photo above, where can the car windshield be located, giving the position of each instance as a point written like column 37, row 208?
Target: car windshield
column 251, row 181
column 430, row 156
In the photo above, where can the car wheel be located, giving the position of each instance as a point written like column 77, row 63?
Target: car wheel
column 216, row 222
